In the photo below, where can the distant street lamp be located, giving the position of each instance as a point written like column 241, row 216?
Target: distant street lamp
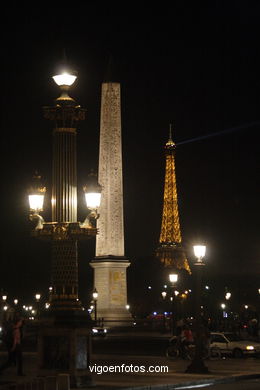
column 197, row 365
column 228, row 295
column 95, row 297
column 38, row 297
column 164, row 293
column 3, row 304
column 173, row 278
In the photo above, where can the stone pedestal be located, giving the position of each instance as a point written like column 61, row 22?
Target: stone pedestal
column 110, row 282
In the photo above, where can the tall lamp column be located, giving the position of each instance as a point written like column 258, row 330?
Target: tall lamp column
column 197, row 365
column 3, row 305
column 173, row 277
column 95, row 297
column 38, row 297
column 64, row 347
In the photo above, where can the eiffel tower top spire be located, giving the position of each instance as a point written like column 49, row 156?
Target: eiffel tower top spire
column 170, row 250
column 170, row 142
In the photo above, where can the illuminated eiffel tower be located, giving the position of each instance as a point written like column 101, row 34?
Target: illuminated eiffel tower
column 170, row 250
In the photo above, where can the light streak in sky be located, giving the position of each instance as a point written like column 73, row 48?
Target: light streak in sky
column 217, row 133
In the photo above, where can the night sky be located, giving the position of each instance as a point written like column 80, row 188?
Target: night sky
column 196, row 67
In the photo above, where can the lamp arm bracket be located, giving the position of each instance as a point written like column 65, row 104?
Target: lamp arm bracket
column 38, row 220
column 90, row 220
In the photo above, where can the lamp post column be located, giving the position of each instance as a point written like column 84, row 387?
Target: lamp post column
column 197, row 365
column 3, row 311
column 38, row 297
column 64, row 342
column 173, row 277
column 95, row 297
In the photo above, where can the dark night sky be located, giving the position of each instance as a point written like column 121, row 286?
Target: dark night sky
column 198, row 68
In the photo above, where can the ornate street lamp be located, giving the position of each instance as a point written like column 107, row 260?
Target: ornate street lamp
column 64, row 347
column 228, row 295
column 92, row 191
column 95, row 297
column 197, row 365
column 164, row 293
column 173, row 278
column 36, row 194
column 38, row 297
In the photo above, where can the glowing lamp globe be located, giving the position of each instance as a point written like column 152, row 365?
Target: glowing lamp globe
column 36, row 202
column 164, row 293
column 199, row 251
column 228, row 295
column 92, row 192
column 37, row 297
column 173, row 278
column 64, row 79
column 36, row 194
column 93, row 199
column 95, row 295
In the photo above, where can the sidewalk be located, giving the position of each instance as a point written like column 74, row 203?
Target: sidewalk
column 219, row 371
column 224, row 370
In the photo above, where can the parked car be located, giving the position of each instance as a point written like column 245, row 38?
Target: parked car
column 99, row 331
column 231, row 344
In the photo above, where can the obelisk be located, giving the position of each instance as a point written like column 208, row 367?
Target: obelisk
column 110, row 263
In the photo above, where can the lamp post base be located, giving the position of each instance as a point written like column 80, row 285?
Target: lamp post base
column 64, row 347
column 197, row 367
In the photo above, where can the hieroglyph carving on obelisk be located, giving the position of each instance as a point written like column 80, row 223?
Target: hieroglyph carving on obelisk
column 110, row 240
column 110, row 263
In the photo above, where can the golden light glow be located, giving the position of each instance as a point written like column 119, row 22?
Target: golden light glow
column 170, row 251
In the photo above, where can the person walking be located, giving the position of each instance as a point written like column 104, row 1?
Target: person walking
column 14, row 347
column 186, row 339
